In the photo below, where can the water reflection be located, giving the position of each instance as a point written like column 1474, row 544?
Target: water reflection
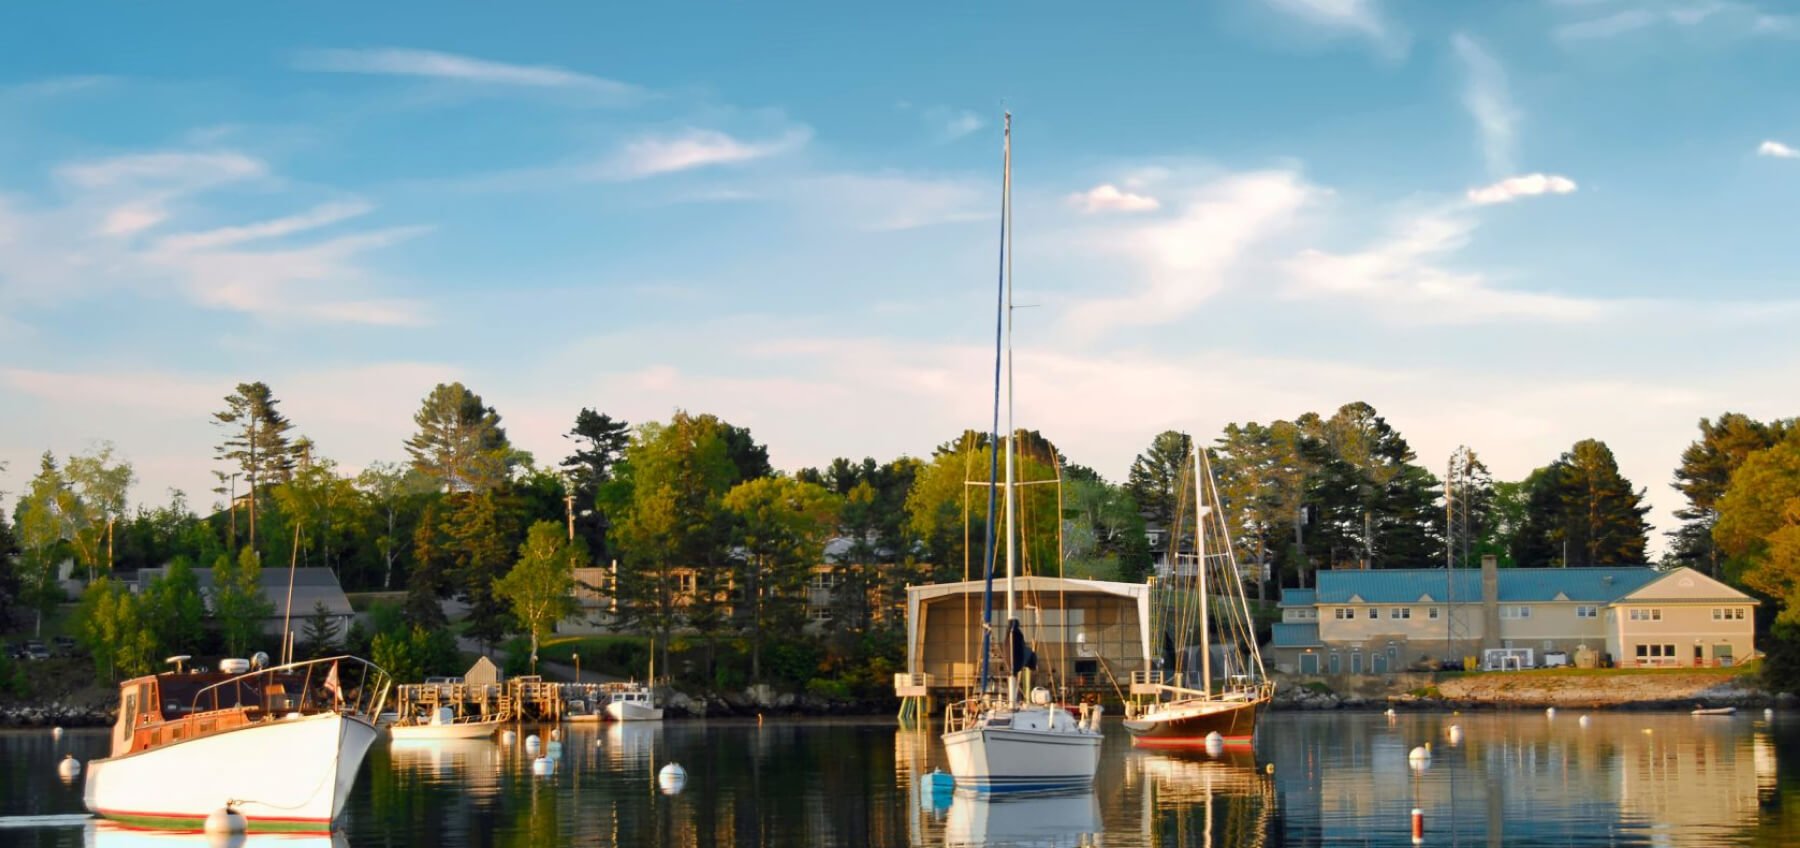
column 1511, row 779
column 1040, row 821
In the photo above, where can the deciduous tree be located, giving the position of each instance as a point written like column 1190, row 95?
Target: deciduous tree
column 780, row 525
column 540, row 588
column 1706, row 469
column 238, row 602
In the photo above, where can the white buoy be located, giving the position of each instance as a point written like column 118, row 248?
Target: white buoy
column 1583, row 721
column 531, row 742
column 55, row 733
column 1215, row 744
column 225, row 820
column 543, row 765
column 1550, row 712
column 1768, row 712
column 507, row 737
column 672, row 779
column 1390, row 712
column 1422, row 752
column 553, row 750
column 69, row 767
column 1455, row 734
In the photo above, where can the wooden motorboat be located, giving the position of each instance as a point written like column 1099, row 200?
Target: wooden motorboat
column 444, row 724
column 1715, row 711
column 280, row 745
column 630, row 702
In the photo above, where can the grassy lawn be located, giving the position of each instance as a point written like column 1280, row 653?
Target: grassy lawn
column 622, row 656
column 361, row 601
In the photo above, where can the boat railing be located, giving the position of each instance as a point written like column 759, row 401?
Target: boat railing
column 342, row 684
column 1148, row 681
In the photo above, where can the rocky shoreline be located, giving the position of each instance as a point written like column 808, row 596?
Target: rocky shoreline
column 56, row 714
column 1515, row 691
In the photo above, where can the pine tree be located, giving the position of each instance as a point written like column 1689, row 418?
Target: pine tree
column 1581, row 511
column 320, row 633
column 1705, row 471
column 1156, row 473
column 256, row 440
column 600, row 444
column 428, row 580
column 460, row 443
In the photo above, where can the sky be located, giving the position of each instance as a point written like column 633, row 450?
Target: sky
column 1505, row 225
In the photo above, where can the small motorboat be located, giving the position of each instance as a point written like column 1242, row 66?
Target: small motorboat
column 631, row 702
column 1714, row 710
column 444, row 724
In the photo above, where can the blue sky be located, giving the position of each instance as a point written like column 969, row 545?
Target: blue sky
column 1510, row 225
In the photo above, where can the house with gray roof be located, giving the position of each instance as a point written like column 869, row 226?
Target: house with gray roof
column 1386, row 620
column 312, row 586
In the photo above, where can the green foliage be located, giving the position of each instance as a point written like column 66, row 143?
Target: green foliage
column 319, row 635
column 411, row 655
column 324, row 507
column 949, row 517
column 99, row 484
column 460, row 444
column 429, row 578
column 1706, row 470
column 175, row 609
column 600, row 443
column 780, row 526
column 481, row 537
column 832, row 690
column 238, row 602
column 540, row 587
column 115, row 630
column 256, row 441
column 1581, row 511
column 1758, row 525
column 1156, row 475
column 45, row 521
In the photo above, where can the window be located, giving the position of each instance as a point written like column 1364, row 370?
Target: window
column 1656, row 652
column 819, row 613
column 1345, row 613
column 1400, row 612
column 1587, row 611
column 684, row 583
column 822, row 580
column 1728, row 614
column 1431, row 613
column 1651, row 614
column 1374, row 612
column 1513, row 611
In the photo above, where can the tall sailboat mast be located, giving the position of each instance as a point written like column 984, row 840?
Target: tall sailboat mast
column 1000, row 302
column 1200, row 510
column 1012, row 680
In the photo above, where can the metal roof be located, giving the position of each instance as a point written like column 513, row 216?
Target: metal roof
column 1299, row 597
column 1516, row 585
column 1289, row 634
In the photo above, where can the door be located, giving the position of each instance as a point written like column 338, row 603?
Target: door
column 1356, row 663
column 1699, row 655
column 1336, row 664
column 1378, row 663
column 1309, row 663
column 1722, row 654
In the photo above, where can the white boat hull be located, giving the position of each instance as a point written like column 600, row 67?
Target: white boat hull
column 464, row 730
column 287, row 775
column 632, row 711
column 994, row 759
column 1068, row 819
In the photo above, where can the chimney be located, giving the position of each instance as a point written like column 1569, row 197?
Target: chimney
column 1490, row 601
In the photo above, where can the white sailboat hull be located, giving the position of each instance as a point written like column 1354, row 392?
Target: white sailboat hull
column 288, row 775
column 460, row 730
column 1068, row 819
column 990, row 758
column 633, row 711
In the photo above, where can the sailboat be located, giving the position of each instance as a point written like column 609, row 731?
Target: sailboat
column 996, row 741
column 1178, row 707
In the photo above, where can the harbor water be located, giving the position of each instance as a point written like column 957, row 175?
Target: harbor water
column 1510, row 778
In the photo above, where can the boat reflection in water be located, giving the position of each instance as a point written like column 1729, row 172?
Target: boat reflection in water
column 472, row 765
column 1191, row 798
column 105, row 834
column 1049, row 821
column 630, row 744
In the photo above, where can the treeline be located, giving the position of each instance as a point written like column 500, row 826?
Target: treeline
column 716, row 549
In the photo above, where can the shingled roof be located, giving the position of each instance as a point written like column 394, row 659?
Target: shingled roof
column 1517, row 585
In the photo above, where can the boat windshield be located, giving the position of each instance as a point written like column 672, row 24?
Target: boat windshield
column 335, row 684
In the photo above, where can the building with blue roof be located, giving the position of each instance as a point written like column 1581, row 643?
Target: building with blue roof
column 1388, row 620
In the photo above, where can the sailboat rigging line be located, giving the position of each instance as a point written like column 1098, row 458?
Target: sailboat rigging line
column 968, row 465
column 987, row 549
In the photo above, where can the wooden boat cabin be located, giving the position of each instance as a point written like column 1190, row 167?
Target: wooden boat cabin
column 177, row 705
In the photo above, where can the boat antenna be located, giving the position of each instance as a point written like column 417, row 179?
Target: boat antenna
column 987, row 548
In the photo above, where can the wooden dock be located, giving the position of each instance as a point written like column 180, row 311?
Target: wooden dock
column 522, row 699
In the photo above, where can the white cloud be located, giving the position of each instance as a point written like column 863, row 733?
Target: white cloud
column 1107, row 197
column 317, row 281
column 1513, row 188
column 1716, row 16
column 321, row 216
column 180, row 169
column 951, row 124
column 889, row 201
column 431, row 64
column 1403, row 279
column 132, row 218
column 666, row 154
column 1777, row 150
column 1608, row 26
column 1187, row 259
column 1358, row 17
column 1485, row 96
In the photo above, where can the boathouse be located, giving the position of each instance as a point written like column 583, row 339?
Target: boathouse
column 1089, row 635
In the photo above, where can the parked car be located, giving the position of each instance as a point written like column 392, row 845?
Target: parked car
column 35, row 650
column 64, row 646
column 13, row 651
